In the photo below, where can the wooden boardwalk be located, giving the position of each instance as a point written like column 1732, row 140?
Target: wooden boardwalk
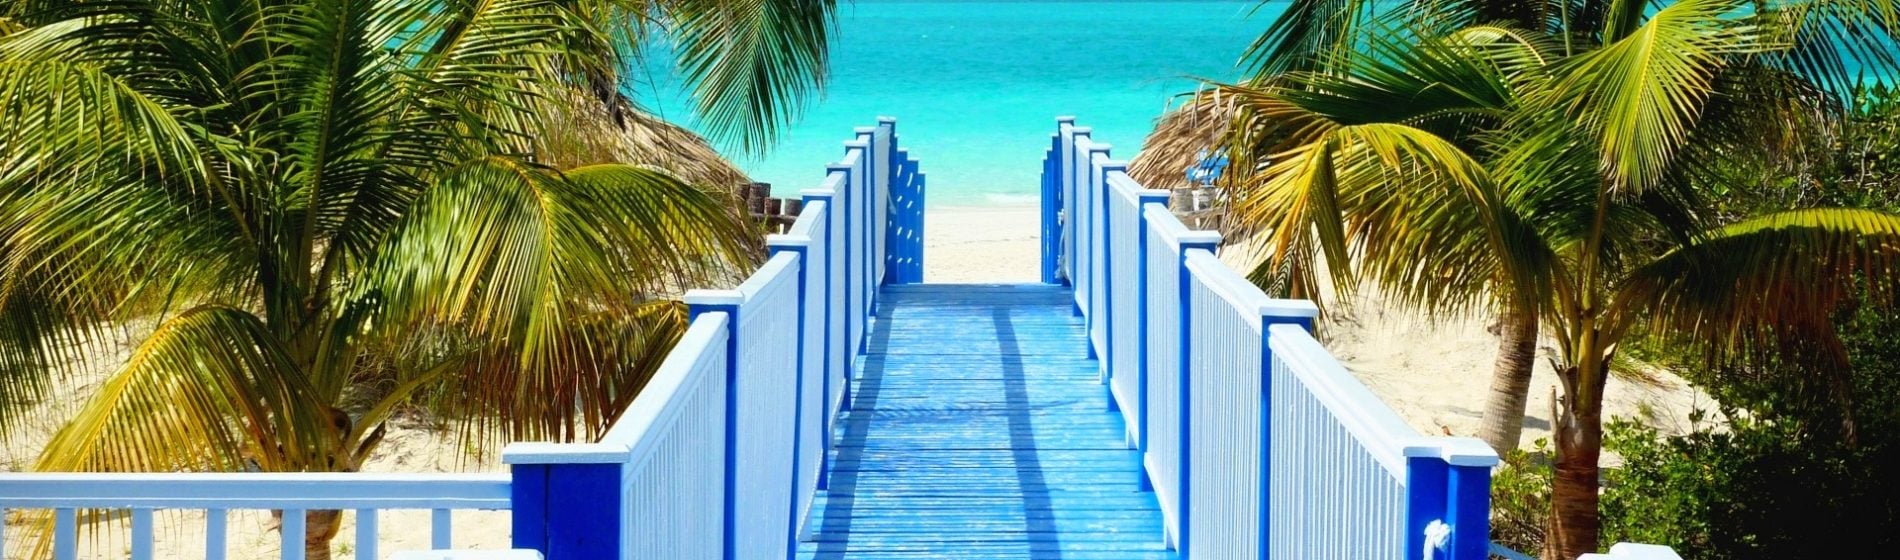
column 978, row 429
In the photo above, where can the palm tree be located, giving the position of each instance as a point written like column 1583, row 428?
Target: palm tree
column 1566, row 171
column 1323, row 35
column 333, row 208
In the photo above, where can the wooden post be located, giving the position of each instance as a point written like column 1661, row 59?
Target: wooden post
column 1052, row 204
column 1426, row 477
column 567, row 498
column 814, row 199
column 800, row 246
column 700, row 302
column 1074, row 225
column 1184, row 292
column 1142, row 201
column 1105, row 281
column 1468, row 504
column 844, row 217
column 1300, row 313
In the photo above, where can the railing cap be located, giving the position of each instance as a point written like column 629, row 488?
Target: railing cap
column 1081, row 130
column 714, row 297
column 1289, row 308
column 817, row 193
column 887, row 120
column 857, row 144
column 837, row 167
column 1157, row 196
column 1199, row 237
column 545, row 453
column 1100, row 146
column 1065, row 120
column 1468, row 452
column 865, row 130
column 787, row 240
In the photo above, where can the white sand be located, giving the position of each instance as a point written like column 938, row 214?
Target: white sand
column 1434, row 373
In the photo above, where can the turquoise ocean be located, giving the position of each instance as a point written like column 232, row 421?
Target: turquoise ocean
column 976, row 86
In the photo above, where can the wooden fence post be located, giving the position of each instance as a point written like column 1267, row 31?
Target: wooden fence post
column 800, row 246
column 729, row 302
column 1190, row 241
column 1141, row 324
column 824, row 290
column 1468, row 497
column 567, row 498
column 1298, row 312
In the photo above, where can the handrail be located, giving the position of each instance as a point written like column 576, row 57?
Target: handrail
column 1256, row 441
column 294, row 494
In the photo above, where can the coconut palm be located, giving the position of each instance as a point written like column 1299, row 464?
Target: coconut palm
column 325, row 210
column 1825, row 38
column 1565, row 173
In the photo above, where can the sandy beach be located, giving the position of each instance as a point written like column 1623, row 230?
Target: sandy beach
column 1433, row 371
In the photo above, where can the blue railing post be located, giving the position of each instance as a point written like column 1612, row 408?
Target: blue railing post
column 801, row 246
column 1053, row 202
column 1089, row 178
column 1210, row 242
column 845, row 217
column 1074, row 230
column 865, row 181
column 824, row 310
column 700, row 302
column 918, row 190
column 1141, row 324
column 567, row 498
column 1104, row 279
column 1468, row 507
column 1279, row 312
column 904, row 238
column 1427, row 476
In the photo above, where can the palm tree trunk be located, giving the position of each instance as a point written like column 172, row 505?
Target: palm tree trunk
column 1573, row 524
column 1503, row 422
column 320, row 527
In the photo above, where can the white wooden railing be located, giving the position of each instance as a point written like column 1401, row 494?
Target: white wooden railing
column 67, row 495
column 1257, row 443
column 710, row 461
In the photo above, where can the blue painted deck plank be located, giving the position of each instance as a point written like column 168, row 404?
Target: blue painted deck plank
column 978, row 430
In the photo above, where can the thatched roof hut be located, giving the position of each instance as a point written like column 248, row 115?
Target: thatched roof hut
column 1179, row 138
column 588, row 131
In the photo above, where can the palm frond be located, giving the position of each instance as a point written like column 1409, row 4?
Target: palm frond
column 210, row 389
column 753, row 64
column 1639, row 97
column 1763, row 281
column 519, row 261
column 1838, row 44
